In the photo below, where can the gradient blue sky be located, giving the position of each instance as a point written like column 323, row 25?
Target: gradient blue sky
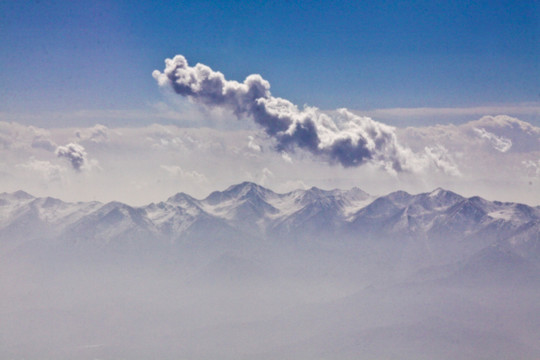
column 74, row 55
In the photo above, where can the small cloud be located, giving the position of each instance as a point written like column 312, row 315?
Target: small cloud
column 265, row 175
column 290, row 185
column 252, row 145
column 177, row 171
column 46, row 170
column 439, row 157
column 75, row 153
column 97, row 134
column 533, row 167
column 41, row 142
column 172, row 169
column 286, row 157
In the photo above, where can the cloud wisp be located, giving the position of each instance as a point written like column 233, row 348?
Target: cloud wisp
column 500, row 143
column 344, row 138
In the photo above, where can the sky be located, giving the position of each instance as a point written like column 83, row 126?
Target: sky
column 439, row 94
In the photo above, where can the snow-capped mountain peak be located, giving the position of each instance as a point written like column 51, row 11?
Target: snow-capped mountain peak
column 255, row 211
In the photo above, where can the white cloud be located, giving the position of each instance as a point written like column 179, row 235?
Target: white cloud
column 286, row 157
column 533, row 167
column 75, row 154
column 252, row 145
column 345, row 138
column 266, row 174
column 440, row 158
column 524, row 136
column 41, row 142
column 505, row 133
column 431, row 114
column 177, row 171
column 499, row 143
column 97, row 134
column 470, row 152
column 44, row 169
column 17, row 136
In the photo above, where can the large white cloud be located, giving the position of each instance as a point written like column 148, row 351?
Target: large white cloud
column 345, row 138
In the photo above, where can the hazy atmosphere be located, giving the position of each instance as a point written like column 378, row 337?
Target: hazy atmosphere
column 269, row 180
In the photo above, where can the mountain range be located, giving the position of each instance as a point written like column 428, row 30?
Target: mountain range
column 441, row 222
column 247, row 273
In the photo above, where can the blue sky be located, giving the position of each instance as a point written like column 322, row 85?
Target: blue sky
column 83, row 118
column 73, row 55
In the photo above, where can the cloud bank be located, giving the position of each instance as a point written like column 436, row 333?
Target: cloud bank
column 344, row 138
column 141, row 164
column 501, row 133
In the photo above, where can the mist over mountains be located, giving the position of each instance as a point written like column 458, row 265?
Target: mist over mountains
column 252, row 212
column 250, row 273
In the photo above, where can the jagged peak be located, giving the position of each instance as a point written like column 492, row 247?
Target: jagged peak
column 115, row 205
column 357, row 193
column 49, row 201
column 181, row 198
column 318, row 191
column 315, row 194
column 440, row 193
column 478, row 200
column 244, row 184
column 399, row 193
column 334, row 192
column 437, row 192
column 399, row 196
column 246, row 189
column 20, row 195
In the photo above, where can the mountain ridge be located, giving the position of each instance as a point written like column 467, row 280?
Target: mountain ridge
column 248, row 184
column 445, row 220
column 292, row 275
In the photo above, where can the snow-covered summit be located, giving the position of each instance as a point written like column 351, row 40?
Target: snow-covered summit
column 248, row 210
